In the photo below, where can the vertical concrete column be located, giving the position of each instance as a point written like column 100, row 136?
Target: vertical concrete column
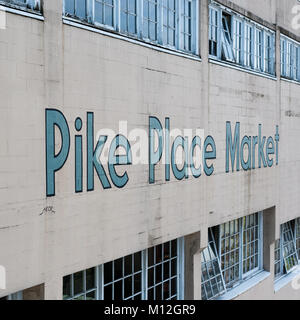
column 269, row 219
column 194, row 244
column 53, row 288
column 53, row 42
column 34, row 293
column 53, row 48
column 191, row 265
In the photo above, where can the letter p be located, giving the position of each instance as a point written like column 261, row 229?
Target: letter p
column 55, row 162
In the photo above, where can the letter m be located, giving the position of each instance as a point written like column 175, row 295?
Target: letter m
column 232, row 147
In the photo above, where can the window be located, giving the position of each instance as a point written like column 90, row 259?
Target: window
column 234, row 254
column 188, row 25
column 213, row 31
column 290, row 59
column 248, row 46
column 129, row 16
column 103, row 12
column 169, row 23
column 162, row 272
column 123, row 278
column 81, row 285
column 152, row 274
column 230, row 250
column 258, row 49
column 278, row 264
column 287, row 248
column 24, row 4
column 150, row 19
column 269, row 60
column 238, row 40
column 212, row 281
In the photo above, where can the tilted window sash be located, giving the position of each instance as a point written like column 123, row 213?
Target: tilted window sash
column 288, row 249
column 212, row 280
column 226, row 41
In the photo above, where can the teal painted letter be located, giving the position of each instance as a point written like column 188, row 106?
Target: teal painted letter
column 119, row 142
column 154, row 155
column 93, row 156
column 209, row 155
column 233, row 149
column 55, row 162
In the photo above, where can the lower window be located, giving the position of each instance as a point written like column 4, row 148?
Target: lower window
column 152, row 274
column 234, row 254
column 287, row 248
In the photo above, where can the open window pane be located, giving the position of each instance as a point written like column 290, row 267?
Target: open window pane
column 212, row 280
column 289, row 253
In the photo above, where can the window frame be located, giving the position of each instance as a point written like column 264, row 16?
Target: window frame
column 290, row 68
column 292, row 225
column 99, row 276
column 255, row 27
column 33, row 6
column 237, row 226
column 140, row 35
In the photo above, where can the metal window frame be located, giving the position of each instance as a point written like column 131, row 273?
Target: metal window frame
column 32, row 5
column 212, row 243
column 280, row 261
column 85, row 291
column 290, row 58
column 245, row 276
column 139, row 35
column 128, row 13
column 213, row 6
column 99, row 276
column 282, row 242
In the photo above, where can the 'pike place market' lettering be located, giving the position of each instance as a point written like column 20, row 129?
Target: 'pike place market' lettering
column 159, row 145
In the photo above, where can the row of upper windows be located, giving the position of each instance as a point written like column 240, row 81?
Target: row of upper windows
column 170, row 23
column 174, row 24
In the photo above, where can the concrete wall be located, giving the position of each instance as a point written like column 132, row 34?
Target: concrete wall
column 50, row 64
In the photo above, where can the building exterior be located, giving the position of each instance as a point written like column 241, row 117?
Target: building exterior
column 72, row 227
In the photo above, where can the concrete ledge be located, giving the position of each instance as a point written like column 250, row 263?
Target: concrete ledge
column 240, row 68
column 286, row 279
column 245, row 286
column 114, row 34
column 22, row 12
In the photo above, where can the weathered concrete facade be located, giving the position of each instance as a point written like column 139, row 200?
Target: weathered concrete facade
column 49, row 64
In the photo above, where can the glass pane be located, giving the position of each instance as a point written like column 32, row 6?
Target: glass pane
column 78, row 283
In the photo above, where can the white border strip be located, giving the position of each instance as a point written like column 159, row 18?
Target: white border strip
column 290, row 80
column 71, row 22
column 236, row 67
column 22, row 13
